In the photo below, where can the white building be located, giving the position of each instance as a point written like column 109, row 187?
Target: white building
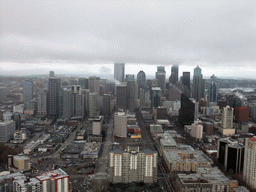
column 249, row 172
column 7, row 129
column 120, row 124
column 30, row 147
column 55, row 181
column 227, row 118
column 24, row 185
column 97, row 126
column 18, row 108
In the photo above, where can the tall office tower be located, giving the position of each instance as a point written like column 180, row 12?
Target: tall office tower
column 51, row 74
column 106, row 105
column 28, row 89
column 119, row 71
column 110, row 88
column 133, row 165
column 73, row 102
column 7, row 129
column 160, row 76
column 174, row 74
column 227, row 118
column 94, row 84
column 121, row 96
column 141, row 79
column 130, row 95
column 156, row 94
column 53, row 98
column 93, row 104
column 242, row 114
column 186, row 81
column 213, row 89
column 86, row 93
column 129, row 77
column 249, row 172
column 144, row 96
column 231, row 154
column 42, row 103
column 16, row 118
column 83, row 82
column 187, row 111
column 198, row 84
column 120, row 124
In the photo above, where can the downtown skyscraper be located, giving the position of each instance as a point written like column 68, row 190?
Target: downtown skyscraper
column 160, row 76
column 198, row 84
column 213, row 89
column 53, row 98
column 119, row 72
column 28, row 89
column 174, row 74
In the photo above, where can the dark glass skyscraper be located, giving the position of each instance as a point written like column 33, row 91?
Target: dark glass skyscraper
column 213, row 89
column 53, row 99
column 174, row 74
column 28, row 89
column 141, row 79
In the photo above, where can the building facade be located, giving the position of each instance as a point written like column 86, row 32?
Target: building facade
column 119, row 71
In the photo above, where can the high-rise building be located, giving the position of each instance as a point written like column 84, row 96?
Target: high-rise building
column 129, row 77
column 53, row 98
column 121, row 95
column 186, row 82
column 54, row 181
column 73, row 102
column 120, row 124
column 94, row 84
column 51, row 74
column 7, row 129
column 130, row 95
column 249, row 172
column 28, row 89
column 42, row 103
column 119, row 71
column 133, row 165
column 231, row 155
column 198, row 84
column 83, row 82
column 187, row 111
column 160, row 76
column 156, row 94
column 227, row 118
column 174, row 74
column 242, row 114
column 213, row 89
column 93, row 104
column 106, row 105
column 141, row 79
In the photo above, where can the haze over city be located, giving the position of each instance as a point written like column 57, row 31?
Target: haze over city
column 89, row 36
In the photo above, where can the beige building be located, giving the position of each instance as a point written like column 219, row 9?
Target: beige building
column 97, row 125
column 133, row 165
column 227, row 118
column 120, row 124
column 249, row 172
column 21, row 162
column 186, row 159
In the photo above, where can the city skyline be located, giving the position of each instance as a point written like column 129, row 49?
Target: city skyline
column 219, row 36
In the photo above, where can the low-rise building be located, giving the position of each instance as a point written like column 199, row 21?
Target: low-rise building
column 186, row 159
column 21, row 162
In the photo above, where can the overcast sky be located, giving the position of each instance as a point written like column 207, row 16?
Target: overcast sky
column 72, row 36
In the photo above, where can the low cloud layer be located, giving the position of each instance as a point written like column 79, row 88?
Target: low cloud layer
column 211, row 33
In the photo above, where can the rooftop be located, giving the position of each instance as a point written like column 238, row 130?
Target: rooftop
column 56, row 174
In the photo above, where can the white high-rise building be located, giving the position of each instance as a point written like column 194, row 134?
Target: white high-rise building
column 119, row 70
column 227, row 118
column 249, row 172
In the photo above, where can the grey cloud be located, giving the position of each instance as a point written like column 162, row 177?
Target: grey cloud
column 157, row 32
